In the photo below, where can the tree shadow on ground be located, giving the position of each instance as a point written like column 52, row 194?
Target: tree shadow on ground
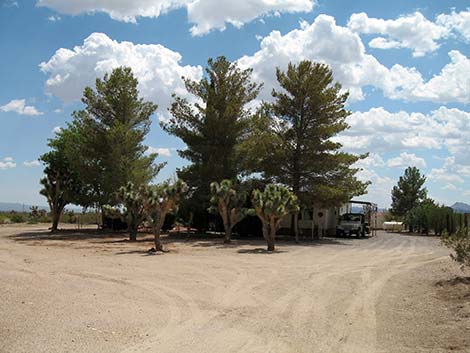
column 454, row 282
column 139, row 252
column 66, row 235
column 260, row 251
column 204, row 240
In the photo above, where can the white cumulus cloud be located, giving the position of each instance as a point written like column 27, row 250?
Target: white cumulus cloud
column 378, row 130
column 412, row 31
column 157, row 68
column 342, row 49
column 206, row 15
column 458, row 22
column 7, row 163
column 214, row 14
column 19, row 106
column 405, row 160
column 34, row 163
column 166, row 152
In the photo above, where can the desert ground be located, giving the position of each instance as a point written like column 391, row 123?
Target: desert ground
column 89, row 292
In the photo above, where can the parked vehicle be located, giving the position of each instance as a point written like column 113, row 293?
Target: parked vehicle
column 353, row 223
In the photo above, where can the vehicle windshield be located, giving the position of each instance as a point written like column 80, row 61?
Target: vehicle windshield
column 351, row 217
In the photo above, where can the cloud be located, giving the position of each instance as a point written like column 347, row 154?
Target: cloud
column 157, row 68
column 379, row 130
column 34, row 163
column 342, row 49
column 19, row 106
column 57, row 129
column 373, row 160
column 412, row 31
column 166, row 152
column 442, row 175
column 215, row 14
column 7, row 163
column 206, row 15
column 379, row 190
column 451, row 171
column 11, row 3
column 450, row 187
column 459, row 23
column 406, row 160
column 54, row 18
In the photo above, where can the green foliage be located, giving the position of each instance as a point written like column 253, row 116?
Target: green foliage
column 409, row 192
column 271, row 205
column 105, row 140
column 229, row 203
column 60, row 185
column 213, row 129
column 291, row 140
column 460, row 243
column 428, row 216
column 159, row 200
column 13, row 217
column 133, row 200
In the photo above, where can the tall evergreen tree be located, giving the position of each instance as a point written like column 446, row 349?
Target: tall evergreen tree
column 295, row 134
column 408, row 193
column 212, row 128
column 106, row 148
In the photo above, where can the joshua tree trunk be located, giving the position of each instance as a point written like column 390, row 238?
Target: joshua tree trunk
column 56, row 213
column 228, row 235
column 296, row 227
column 271, row 235
column 55, row 221
column 227, row 226
column 133, row 233
column 270, row 239
column 158, row 242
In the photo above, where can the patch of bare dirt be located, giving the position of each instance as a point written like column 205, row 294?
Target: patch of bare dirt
column 427, row 310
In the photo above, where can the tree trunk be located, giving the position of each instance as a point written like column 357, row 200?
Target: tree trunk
column 296, row 227
column 158, row 243
column 271, row 235
column 228, row 235
column 55, row 221
column 133, row 233
column 56, row 213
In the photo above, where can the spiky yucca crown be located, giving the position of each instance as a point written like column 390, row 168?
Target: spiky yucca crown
column 275, row 200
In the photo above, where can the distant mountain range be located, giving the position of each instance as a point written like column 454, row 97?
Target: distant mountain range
column 461, row 207
column 19, row 207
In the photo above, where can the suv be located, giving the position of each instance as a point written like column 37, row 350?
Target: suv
column 352, row 223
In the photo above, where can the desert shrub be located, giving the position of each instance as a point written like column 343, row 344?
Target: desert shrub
column 18, row 218
column 459, row 242
column 4, row 219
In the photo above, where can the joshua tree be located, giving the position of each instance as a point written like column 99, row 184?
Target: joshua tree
column 271, row 205
column 132, row 198
column 228, row 202
column 159, row 201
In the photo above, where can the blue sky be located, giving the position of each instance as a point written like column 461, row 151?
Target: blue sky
column 405, row 63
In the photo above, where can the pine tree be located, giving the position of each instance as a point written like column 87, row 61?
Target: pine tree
column 408, row 193
column 213, row 127
column 106, row 138
column 294, row 136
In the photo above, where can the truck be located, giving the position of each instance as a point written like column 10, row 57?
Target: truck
column 352, row 223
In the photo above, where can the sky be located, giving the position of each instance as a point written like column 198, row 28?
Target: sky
column 406, row 65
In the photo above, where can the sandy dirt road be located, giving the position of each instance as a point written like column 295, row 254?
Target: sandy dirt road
column 71, row 293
